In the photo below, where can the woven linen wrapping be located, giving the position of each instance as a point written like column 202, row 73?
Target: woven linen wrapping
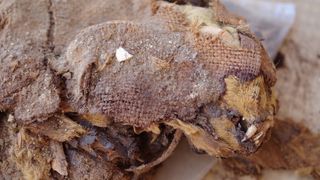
column 173, row 71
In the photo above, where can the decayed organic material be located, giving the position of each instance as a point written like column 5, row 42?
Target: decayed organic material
column 178, row 67
column 123, row 91
column 291, row 147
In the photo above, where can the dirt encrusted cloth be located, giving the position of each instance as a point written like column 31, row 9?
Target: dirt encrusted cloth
column 112, row 100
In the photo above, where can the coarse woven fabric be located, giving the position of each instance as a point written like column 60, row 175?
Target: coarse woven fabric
column 173, row 72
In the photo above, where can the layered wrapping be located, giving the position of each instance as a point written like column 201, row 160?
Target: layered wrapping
column 115, row 98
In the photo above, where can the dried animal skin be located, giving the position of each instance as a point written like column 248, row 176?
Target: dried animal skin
column 31, row 92
column 198, row 85
column 58, row 128
column 121, row 145
column 291, row 146
column 121, row 88
column 146, row 167
column 82, row 166
column 32, row 155
column 8, row 168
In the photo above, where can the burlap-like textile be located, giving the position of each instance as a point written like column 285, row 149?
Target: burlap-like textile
column 173, row 72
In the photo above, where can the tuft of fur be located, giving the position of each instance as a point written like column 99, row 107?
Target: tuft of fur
column 32, row 156
column 252, row 99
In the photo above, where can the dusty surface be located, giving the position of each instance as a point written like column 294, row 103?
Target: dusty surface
column 29, row 90
column 40, row 76
column 111, row 99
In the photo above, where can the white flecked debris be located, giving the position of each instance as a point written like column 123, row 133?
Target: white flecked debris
column 122, row 54
column 10, row 118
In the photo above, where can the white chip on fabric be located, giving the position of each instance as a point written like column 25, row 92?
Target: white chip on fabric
column 122, row 54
